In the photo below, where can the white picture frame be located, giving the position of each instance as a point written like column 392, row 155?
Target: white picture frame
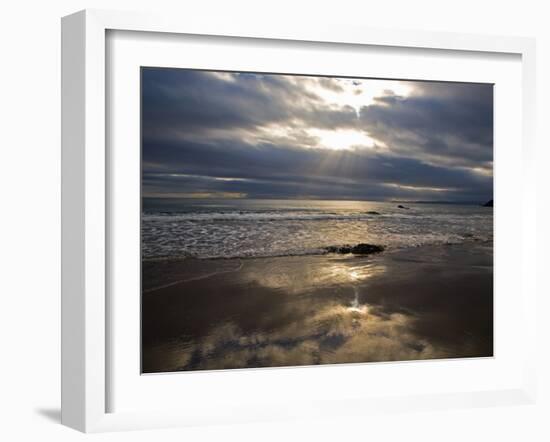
column 85, row 210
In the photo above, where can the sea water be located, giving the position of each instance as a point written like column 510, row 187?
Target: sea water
column 246, row 228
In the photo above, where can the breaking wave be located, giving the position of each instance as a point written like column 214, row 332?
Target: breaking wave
column 241, row 233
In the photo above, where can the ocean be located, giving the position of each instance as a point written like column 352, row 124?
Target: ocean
column 247, row 228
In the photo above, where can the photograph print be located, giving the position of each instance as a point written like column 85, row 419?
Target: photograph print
column 298, row 220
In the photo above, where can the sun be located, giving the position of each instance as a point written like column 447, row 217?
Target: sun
column 343, row 139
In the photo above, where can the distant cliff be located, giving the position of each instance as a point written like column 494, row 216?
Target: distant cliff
column 488, row 204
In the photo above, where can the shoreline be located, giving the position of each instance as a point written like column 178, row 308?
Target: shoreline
column 327, row 250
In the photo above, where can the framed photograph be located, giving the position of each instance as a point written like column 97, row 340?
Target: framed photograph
column 269, row 223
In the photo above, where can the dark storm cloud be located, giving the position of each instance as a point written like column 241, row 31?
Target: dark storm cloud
column 175, row 101
column 441, row 122
column 286, row 171
column 214, row 133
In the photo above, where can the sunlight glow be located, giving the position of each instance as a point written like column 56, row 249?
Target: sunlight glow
column 420, row 188
column 358, row 93
column 341, row 139
column 225, row 76
column 196, row 195
column 486, row 171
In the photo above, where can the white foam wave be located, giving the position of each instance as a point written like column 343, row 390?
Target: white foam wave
column 248, row 234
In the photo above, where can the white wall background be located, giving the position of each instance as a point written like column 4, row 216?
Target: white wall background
column 30, row 214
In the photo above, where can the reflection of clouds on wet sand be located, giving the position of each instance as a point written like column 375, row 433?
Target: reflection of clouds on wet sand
column 310, row 275
column 320, row 310
column 335, row 334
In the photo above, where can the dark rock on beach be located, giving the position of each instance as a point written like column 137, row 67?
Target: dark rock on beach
column 402, row 207
column 365, row 249
column 488, row 204
column 372, row 212
column 359, row 249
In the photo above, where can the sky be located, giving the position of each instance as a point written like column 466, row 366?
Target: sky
column 209, row 134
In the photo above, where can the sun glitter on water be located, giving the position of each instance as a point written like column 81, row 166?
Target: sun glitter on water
column 355, row 306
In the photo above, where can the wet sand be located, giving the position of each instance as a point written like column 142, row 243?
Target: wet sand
column 419, row 303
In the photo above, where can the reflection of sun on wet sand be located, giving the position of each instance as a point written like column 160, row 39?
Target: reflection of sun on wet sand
column 424, row 303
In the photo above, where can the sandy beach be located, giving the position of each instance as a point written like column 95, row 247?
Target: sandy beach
column 418, row 303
